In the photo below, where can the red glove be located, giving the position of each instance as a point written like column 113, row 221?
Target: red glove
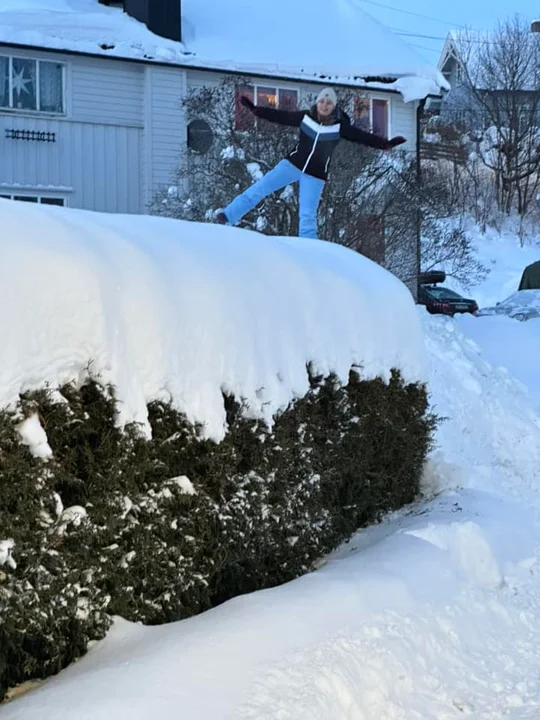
column 398, row 140
column 246, row 102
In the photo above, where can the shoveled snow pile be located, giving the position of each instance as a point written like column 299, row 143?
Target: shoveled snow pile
column 498, row 338
column 502, row 254
column 166, row 309
column 511, row 345
column 490, row 438
column 431, row 615
column 214, row 36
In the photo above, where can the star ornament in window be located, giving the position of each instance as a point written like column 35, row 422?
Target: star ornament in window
column 20, row 82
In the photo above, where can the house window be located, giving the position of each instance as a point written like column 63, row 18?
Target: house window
column 265, row 96
column 372, row 115
column 362, row 114
column 42, row 199
column 288, row 99
column 379, row 117
column 31, row 85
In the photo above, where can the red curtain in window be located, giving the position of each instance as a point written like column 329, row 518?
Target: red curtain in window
column 380, row 117
column 288, row 100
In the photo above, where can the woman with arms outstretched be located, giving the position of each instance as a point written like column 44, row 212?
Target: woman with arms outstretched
column 321, row 129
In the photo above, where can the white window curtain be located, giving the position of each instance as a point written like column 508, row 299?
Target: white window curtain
column 4, row 81
column 51, row 89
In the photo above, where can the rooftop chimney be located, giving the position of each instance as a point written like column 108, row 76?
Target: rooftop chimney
column 162, row 17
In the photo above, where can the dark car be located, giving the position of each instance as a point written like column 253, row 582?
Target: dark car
column 440, row 300
column 521, row 305
column 530, row 280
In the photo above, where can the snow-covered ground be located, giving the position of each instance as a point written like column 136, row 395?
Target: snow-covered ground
column 432, row 615
column 504, row 342
column 503, row 255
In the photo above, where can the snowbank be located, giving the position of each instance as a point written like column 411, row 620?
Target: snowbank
column 214, row 37
column 498, row 338
column 433, row 614
column 490, row 438
column 505, row 258
column 166, row 309
column 397, row 627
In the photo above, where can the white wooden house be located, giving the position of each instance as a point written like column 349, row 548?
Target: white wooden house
column 90, row 98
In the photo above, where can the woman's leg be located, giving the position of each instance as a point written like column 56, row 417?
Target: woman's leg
column 283, row 174
column 310, row 194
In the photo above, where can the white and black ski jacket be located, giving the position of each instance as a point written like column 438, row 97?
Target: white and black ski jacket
column 318, row 141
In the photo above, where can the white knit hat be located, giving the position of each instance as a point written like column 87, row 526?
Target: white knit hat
column 327, row 94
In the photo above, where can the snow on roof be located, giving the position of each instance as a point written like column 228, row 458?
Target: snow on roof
column 339, row 43
column 165, row 309
column 485, row 55
column 463, row 45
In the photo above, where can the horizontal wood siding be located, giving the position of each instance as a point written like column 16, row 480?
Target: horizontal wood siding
column 107, row 92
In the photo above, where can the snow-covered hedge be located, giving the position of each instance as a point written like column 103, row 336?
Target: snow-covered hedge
column 190, row 412
column 157, row 530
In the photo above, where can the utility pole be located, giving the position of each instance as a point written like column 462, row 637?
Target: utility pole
column 419, row 116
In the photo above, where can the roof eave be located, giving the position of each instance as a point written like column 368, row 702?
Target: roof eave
column 357, row 81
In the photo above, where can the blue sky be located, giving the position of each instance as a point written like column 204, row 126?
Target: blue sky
column 427, row 18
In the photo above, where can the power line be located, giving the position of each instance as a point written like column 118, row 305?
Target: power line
column 409, row 12
column 463, row 39
column 433, row 19
column 398, row 31
column 425, row 47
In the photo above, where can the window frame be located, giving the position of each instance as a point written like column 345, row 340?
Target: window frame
column 37, row 111
column 35, row 198
column 371, row 97
column 254, row 91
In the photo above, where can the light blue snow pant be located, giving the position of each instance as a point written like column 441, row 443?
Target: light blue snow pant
column 283, row 174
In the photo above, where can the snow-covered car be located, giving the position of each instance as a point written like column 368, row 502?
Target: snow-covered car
column 521, row 305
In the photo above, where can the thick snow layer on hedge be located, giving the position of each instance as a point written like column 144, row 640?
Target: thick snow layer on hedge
column 432, row 614
column 166, row 309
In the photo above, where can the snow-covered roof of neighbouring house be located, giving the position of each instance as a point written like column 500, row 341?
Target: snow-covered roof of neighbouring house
column 463, row 45
column 337, row 43
column 485, row 55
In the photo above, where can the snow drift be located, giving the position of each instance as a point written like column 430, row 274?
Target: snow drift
column 170, row 310
column 431, row 615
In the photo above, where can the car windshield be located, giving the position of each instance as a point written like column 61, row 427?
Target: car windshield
column 442, row 293
column 523, row 297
